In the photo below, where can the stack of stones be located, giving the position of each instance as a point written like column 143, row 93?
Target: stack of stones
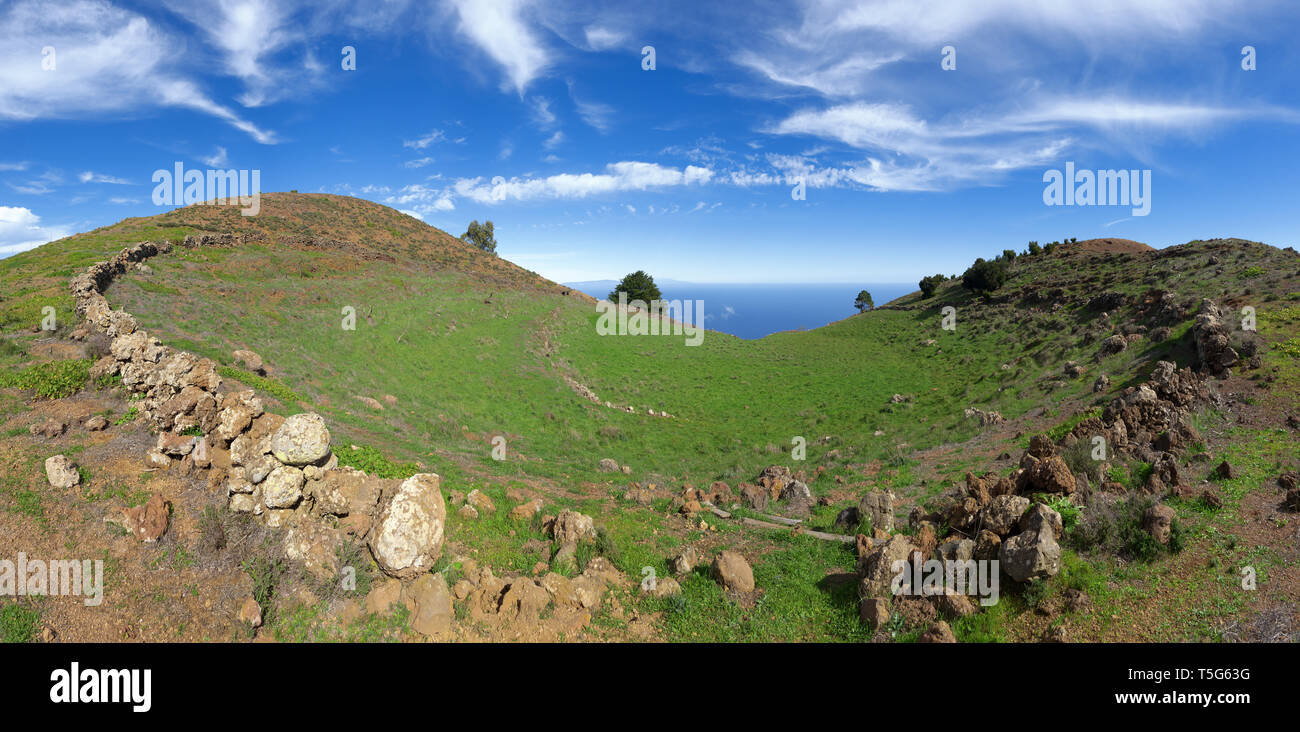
column 280, row 470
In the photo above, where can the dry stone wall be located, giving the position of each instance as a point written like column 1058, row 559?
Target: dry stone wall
column 281, row 471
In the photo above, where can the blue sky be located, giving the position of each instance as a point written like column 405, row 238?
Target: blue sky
column 602, row 167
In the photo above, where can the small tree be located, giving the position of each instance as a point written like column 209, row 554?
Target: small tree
column 481, row 236
column 638, row 286
column 930, row 284
column 1034, row 248
column 863, row 303
column 984, row 277
column 1009, row 254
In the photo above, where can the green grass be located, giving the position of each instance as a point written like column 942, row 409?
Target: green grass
column 270, row 386
column 19, row 622
column 52, row 379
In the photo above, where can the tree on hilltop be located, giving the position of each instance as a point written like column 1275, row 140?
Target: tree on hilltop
column 638, row 286
column 481, row 236
column 863, row 302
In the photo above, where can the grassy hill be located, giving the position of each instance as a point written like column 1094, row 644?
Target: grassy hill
column 454, row 347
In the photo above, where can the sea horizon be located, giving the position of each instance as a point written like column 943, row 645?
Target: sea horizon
column 756, row 310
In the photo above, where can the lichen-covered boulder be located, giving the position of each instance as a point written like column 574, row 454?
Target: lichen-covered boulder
column 302, row 439
column 407, row 536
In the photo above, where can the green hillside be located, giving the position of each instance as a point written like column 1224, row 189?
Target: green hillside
column 453, row 347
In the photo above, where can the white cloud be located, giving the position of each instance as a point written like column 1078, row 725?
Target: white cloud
column 621, row 176
column 108, row 60
column 247, row 33
column 497, row 27
column 831, row 75
column 418, row 163
column 13, row 166
column 595, row 114
column 93, row 177
column 603, row 39
column 217, row 159
column 553, row 141
column 20, row 230
column 542, row 113
column 425, row 140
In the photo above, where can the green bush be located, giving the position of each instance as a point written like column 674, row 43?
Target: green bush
column 984, row 276
column 931, row 284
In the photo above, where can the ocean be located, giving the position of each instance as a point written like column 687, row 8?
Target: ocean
column 757, row 310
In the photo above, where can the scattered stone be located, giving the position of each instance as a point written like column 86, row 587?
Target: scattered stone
column 664, row 587
column 753, row 497
column 1002, row 513
column 940, row 632
column 370, row 402
column 383, row 594
column 847, row 519
column 250, row 361
column 954, row 605
column 878, row 507
column 988, row 545
column 608, row 465
column 1158, row 522
column 1113, row 344
column 566, row 557
column 572, row 527
column 147, row 522
column 1052, row 475
column 250, row 613
column 432, row 614
column 876, row 567
column 96, row 423
column 155, row 459
column 1041, row 516
column 684, row 562
column 1030, row 555
column 407, row 535
column 1224, row 471
column 732, row 572
column 170, row 443
column 526, row 511
column 480, row 501
column 61, row 472
column 467, row 512
column 49, row 428
column 874, row 612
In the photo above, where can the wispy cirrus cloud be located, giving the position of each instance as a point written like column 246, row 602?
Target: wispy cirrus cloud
column 107, row 61
column 498, row 28
column 90, row 176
